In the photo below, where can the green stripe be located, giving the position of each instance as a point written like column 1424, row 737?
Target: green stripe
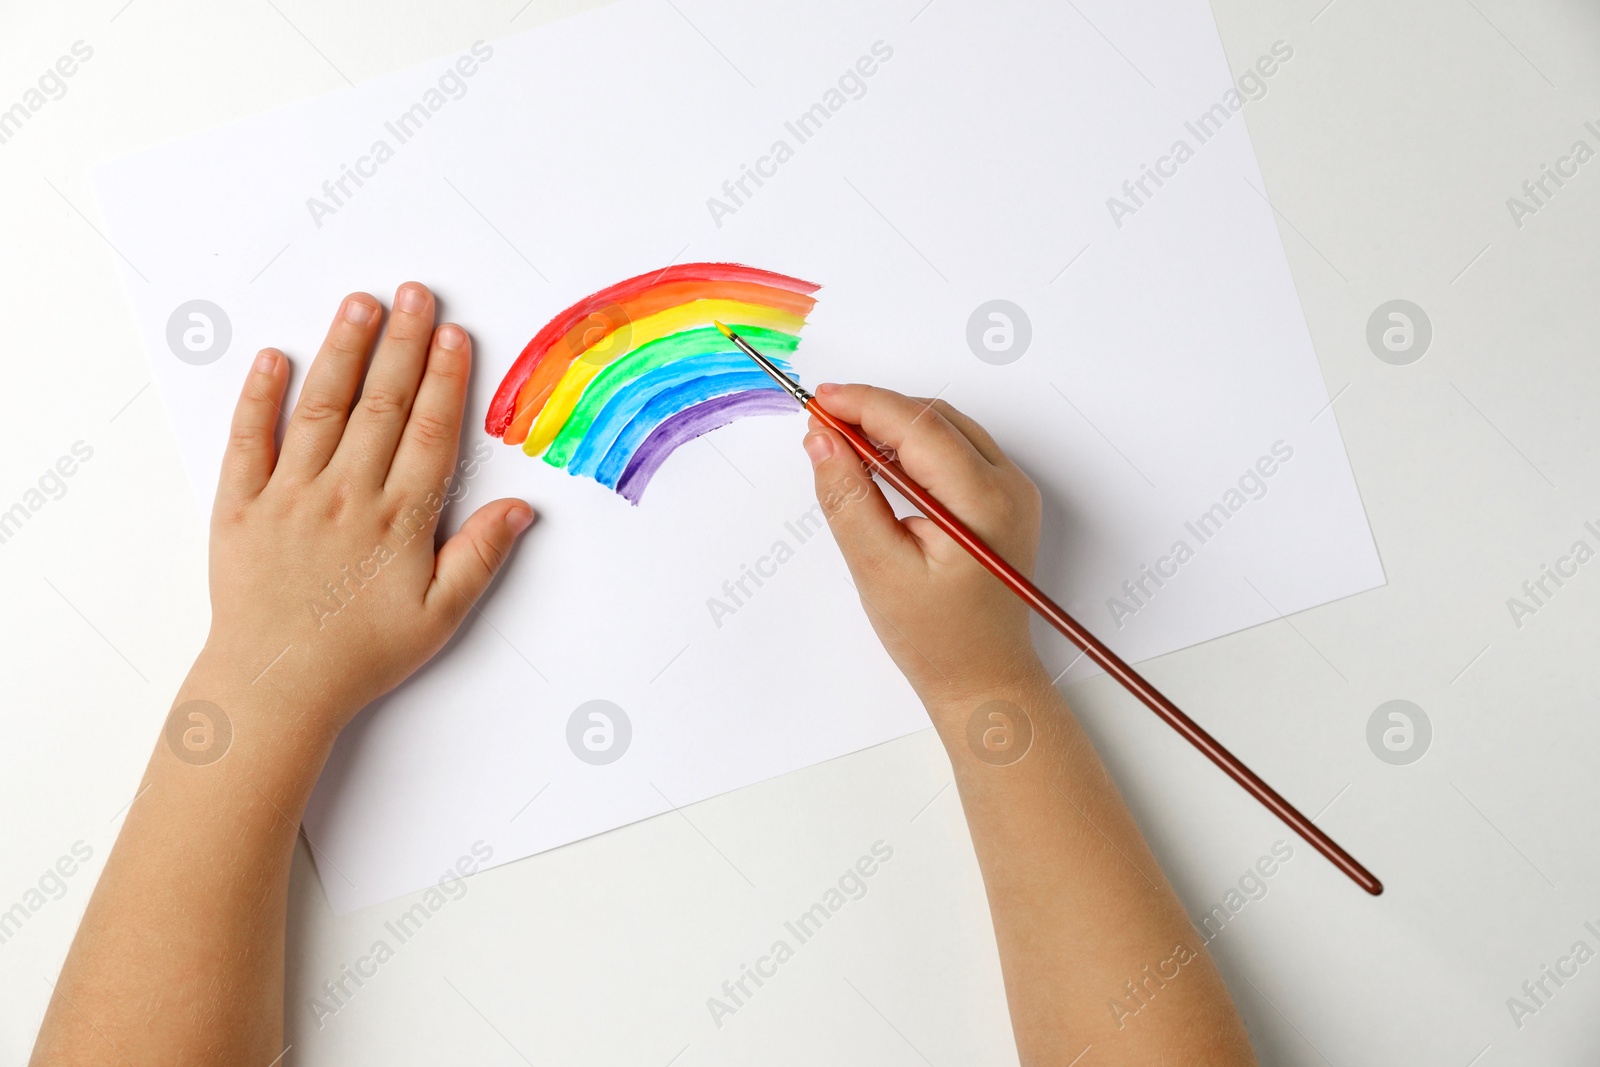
column 642, row 360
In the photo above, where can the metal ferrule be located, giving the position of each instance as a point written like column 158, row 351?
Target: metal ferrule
column 788, row 384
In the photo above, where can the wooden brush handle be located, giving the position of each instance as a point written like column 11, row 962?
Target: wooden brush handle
column 892, row 473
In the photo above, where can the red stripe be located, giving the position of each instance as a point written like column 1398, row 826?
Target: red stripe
column 502, row 409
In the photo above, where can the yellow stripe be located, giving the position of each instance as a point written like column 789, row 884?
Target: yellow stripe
column 689, row 316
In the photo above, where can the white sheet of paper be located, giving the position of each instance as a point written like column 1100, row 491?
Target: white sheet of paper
column 975, row 162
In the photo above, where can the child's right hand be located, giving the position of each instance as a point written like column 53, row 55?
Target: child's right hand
column 958, row 635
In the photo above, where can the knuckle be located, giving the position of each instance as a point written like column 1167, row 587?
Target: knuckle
column 490, row 555
column 382, row 401
column 318, row 408
column 411, row 520
column 841, row 491
column 259, row 397
column 227, row 513
column 429, row 430
column 995, row 499
column 1024, row 490
column 245, row 442
column 448, row 368
column 917, row 420
column 340, row 499
column 1020, row 511
column 347, row 343
column 872, row 559
column 408, row 328
column 276, row 501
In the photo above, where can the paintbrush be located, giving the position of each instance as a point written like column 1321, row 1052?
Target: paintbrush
column 891, row 472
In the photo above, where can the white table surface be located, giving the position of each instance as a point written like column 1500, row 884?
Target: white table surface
column 1389, row 145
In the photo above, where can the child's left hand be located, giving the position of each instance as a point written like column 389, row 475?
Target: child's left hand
column 326, row 590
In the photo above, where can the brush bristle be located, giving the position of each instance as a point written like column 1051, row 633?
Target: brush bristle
column 725, row 331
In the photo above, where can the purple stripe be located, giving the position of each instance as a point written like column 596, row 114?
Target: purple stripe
column 690, row 423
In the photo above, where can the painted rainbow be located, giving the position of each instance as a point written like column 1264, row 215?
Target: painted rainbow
column 609, row 388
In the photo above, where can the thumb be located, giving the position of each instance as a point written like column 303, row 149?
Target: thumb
column 862, row 521
column 470, row 559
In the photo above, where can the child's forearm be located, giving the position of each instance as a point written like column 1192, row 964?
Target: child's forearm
column 179, row 958
column 1083, row 918
column 180, row 955
column 1095, row 947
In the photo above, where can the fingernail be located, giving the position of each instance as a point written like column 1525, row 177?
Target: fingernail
column 819, row 446
column 266, row 362
column 411, row 299
column 358, row 312
column 451, row 336
column 827, row 387
column 519, row 518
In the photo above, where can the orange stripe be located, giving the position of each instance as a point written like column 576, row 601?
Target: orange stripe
column 553, row 366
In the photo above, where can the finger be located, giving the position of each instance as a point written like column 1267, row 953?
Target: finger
column 930, row 449
column 473, row 556
column 427, row 450
column 969, row 427
column 368, row 445
column 249, row 459
column 862, row 521
column 324, row 404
